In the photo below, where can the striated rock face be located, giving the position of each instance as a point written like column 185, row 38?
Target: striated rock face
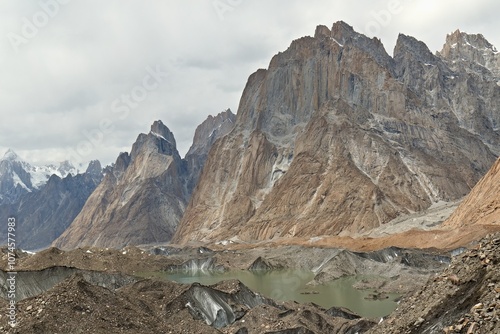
column 475, row 100
column 140, row 199
column 205, row 136
column 482, row 205
column 43, row 215
column 338, row 137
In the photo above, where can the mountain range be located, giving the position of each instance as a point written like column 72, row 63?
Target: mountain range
column 44, row 213
column 138, row 199
column 144, row 195
column 18, row 177
column 335, row 138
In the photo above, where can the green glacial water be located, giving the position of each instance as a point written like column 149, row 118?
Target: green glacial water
column 290, row 285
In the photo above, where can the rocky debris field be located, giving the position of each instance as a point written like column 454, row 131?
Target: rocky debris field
column 152, row 306
column 465, row 298
column 93, row 290
column 126, row 260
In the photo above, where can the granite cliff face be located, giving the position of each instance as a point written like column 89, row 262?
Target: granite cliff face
column 338, row 137
column 144, row 194
column 475, row 100
column 204, row 137
column 44, row 214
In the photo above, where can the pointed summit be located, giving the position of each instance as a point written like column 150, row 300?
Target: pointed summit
column 94, row 168
column 473, row 51
column 345, row 34
column 474, row 40
column 322, row 31
column 459, row 39
column 408, row 44
column 10, row 155
column 65, row 168
column 205, row 136
column 159, row 139
column 210, row 130
column 161, row 130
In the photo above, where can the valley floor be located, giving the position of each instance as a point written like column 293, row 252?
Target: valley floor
column 99, row 290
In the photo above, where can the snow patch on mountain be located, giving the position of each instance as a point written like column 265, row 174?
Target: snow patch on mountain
column 17, row 181
column 158, row 135
column 281, row 166
column 39, row 175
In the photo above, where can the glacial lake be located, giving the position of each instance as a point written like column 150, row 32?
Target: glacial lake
column 290, row 285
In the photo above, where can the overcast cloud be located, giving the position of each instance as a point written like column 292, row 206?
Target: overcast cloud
column 67, row 66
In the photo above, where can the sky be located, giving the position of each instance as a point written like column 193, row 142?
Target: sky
column 81, row 79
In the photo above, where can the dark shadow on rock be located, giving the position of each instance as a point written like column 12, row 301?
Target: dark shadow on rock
column 33, row 283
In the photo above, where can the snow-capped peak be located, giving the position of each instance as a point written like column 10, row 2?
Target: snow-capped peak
column 18, row 177
column 66, row 168
column 10, row 155
column 41, row 174
column 38, row 175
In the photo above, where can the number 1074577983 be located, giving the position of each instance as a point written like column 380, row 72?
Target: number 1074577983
column 11, row 242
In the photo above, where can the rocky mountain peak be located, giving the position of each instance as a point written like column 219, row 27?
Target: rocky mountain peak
column 205, row 136
column 162, row 131
column 462, row 47
column 211, row 129
column 10, row 155
column 477, row 41
column 341, row 32
column 121, row 164
column 15, row 177
column 94, row 168
column 140, row 201
column 322, row 32
column 344, row 34
column 66, row 168
column 408, row 44
column 159, row 140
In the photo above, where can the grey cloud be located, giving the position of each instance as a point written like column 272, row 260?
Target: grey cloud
column 62, row 83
